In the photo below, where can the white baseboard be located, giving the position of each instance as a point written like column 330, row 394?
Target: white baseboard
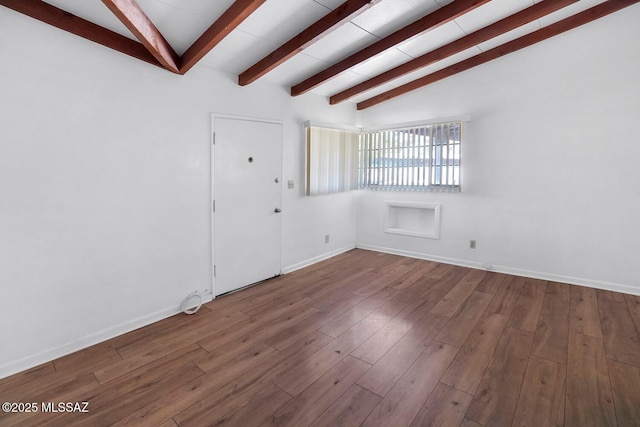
column 608, row 286
column 428, row 257
column 84, row 342
column 316, row 259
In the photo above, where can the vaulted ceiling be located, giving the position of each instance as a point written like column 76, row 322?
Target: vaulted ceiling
column 363, row 51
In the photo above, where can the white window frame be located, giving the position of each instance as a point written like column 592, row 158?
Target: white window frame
column 441, row 161
column 328, row 163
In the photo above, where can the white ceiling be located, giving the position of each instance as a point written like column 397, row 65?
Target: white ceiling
column 276, row 21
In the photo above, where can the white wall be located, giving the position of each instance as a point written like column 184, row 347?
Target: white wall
column 550, row 161
column 105, row 188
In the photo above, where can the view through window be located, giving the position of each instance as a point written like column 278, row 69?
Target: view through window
column 421, row 158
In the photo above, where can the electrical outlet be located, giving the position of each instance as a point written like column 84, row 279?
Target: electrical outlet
column 327, row 238
column 472, row 244
column 290, row 185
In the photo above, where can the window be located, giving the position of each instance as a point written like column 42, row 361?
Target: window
column 422, row 158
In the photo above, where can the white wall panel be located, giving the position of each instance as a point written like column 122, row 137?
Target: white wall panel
column 105, row 188
column 550, row 174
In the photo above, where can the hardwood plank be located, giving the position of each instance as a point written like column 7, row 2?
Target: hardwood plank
column 252, row 356
column 625, row 385
column 614, row 296
column 129, row 403
column 170, row 325
column 320, row 395
column 195, row 394
column 442, row 271
column 445, row 407
column 418, row 273
column 384, row 374
column 342, row 323
column 248, row 341
column 391, row 263
column 204, row 407
column 506, row 297
column 264, row 304
column 256, row 410
column 137, row 380
column 589, row 400
column 468, row 422
column 435, row 288
column 585, row 318
column 347, row 282
column 495, row 401
column 49, row 386
column 491, row 282
column 62, row 391
column 527, row 310
column 621, row 340
column 633, row 304
column 386, row 337
column 157, row 349
column 88, row 360
column 347, row 320
column 377, row 285
column 460, row 326
column 272, row 292
column 451, row 303
column 27, row 377
column 465, row 372
column 405, row 399
column 236, row 298
column 350, row 409
column 404, row 265
column 542, row 395
column 338, row 297
column 559, row 290
column 134, row 383
column 221, row 339
column 283, row 339
column 303, row 375
column 552, row 335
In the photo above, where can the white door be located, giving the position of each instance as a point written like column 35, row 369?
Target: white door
column 247, row 190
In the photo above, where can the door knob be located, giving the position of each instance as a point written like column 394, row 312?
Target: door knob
column 277, row 210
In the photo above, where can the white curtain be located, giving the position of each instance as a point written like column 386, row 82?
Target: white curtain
column 332, row 160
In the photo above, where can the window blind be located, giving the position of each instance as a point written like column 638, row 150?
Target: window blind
column 420, row 158
column 332, row 159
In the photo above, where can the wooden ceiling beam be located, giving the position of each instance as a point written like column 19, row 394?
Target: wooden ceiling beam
column 516, row 20
column 134, row 18
column 343, row 13
column 63, row 20
column 577, row 20
column 227, row 22
column 433, row 20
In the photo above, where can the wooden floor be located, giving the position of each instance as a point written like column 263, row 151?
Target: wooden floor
column 362, row 339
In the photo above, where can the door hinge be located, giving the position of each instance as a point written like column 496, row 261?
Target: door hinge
column 213, row 140
column 214, row 271
column 214, row 205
